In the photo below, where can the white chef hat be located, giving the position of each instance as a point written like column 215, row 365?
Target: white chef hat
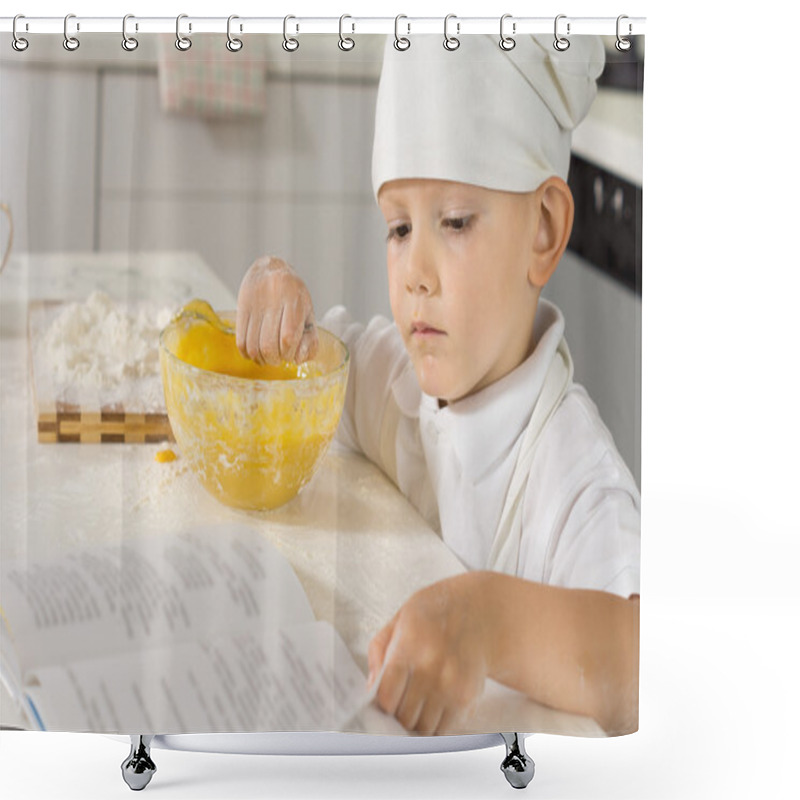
column 482, row 115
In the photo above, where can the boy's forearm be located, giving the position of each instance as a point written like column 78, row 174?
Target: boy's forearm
column 572, row 649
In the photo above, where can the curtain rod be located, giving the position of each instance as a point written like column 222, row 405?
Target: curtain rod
column 348, row 25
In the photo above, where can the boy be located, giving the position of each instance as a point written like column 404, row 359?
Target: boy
column 467, row 402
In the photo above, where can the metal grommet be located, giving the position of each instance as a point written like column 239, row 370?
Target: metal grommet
column 17, row 42
column 233, row 44
column 561, row 43
column 622, row 43
column 346, row 43
column 507, row 42
column 451, row 42
column 183, row 43
column 401, row 42
column 70, row 43
column 129, row 43
column 289, row 43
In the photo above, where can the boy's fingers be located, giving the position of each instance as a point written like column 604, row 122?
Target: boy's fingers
column 411, row 705
column 376, row 651
column 393, row 686
column 309, row 343
column 430, row 718
column 446, row 722
column 242, row 320
column 273, row 307
column 252, row 337
column 268, row 339
column 291, row 330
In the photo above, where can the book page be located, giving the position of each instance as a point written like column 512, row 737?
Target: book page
column 148, row 591
column 288, row 680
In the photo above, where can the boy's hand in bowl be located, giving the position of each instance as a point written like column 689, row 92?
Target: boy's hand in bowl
column 274, row 314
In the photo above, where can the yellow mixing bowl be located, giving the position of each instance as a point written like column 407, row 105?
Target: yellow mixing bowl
column 252, row 442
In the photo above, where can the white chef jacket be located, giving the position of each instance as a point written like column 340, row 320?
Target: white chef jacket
column 579, row 518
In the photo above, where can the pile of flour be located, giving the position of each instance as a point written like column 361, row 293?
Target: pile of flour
column 99, row 353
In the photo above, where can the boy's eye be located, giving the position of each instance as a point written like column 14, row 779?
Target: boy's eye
column 457, row 223
column 399, row 231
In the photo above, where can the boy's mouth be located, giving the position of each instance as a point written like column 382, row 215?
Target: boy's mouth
column 424, row 330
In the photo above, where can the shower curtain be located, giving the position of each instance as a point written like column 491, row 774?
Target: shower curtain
column 454, row 547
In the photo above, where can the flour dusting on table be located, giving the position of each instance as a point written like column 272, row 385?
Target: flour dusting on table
column 105, row 353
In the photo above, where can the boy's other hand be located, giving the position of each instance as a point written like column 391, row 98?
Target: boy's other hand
column 274, row 314
column 435, row 653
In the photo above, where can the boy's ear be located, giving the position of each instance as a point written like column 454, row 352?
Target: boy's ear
column 555, row 210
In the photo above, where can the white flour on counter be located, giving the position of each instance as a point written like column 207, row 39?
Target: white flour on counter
column 100, row 353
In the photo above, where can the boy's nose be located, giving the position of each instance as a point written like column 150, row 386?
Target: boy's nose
column 421, row 272
column 419, row 286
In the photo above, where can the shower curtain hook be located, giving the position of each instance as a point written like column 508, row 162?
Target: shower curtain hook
column 346, row 42
column 290, row 44
column 561, row 43
column 233, row 44
column 507, row 42
column 451, row 42
column 183, row 43
column 18, row 43
column 129, row 43
column 401, row 42
column 622, row 44
column 70, row 43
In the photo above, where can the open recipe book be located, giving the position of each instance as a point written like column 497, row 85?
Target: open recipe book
column 208, row 630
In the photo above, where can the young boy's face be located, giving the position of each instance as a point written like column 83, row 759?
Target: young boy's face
column 458, row 258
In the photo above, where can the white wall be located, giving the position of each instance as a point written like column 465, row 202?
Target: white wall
column 282, row 184
column 47, row 167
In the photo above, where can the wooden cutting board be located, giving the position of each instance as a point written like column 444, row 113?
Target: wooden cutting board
column 59, row 421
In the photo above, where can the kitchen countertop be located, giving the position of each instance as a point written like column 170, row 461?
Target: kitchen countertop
column 345, row 535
